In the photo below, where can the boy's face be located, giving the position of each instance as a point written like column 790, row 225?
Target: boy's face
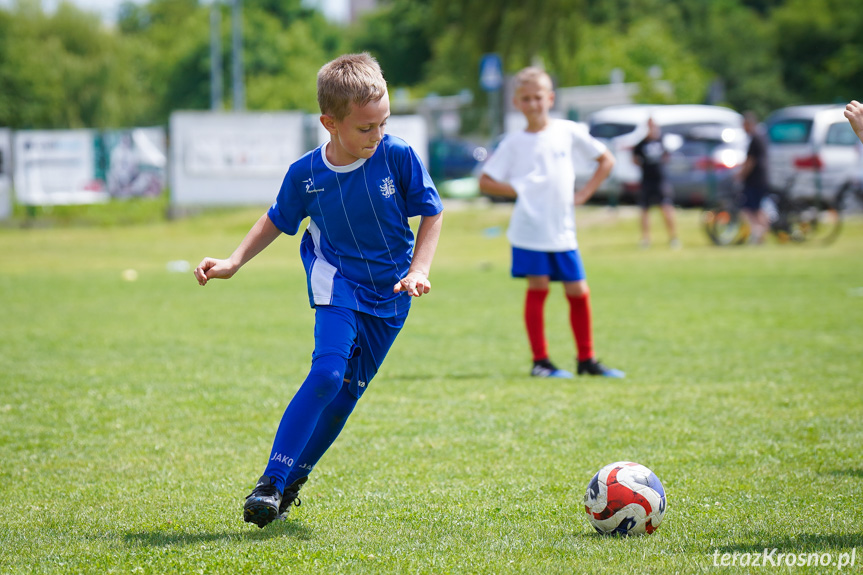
column 358, row 134
column 534, row 100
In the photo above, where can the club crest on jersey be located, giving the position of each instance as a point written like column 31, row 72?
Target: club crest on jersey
column 388, row 188
column 310, row 186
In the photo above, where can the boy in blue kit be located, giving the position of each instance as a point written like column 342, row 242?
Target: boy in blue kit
column 362, row 265
column 537, row 168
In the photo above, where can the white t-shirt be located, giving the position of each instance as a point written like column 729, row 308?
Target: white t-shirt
column 541, row 168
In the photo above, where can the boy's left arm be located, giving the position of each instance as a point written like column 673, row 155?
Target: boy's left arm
column 416, row 282
column 605, row 163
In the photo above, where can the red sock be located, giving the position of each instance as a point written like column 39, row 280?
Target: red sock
column 534, row 305
column 579, row 319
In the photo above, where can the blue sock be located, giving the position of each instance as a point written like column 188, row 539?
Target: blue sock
column 301, row 416
column 329, row 426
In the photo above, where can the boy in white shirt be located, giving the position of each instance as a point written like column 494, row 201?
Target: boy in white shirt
column 537, row 168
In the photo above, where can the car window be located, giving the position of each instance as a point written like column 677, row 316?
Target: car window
column 704, row 131
column 841, row 134
column 791, row 131
column 692, row 129
column 609, row 130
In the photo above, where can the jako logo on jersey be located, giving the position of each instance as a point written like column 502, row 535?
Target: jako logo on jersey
column 360, row 382
column 388, row 188
column 282, row 459
column 310, row 186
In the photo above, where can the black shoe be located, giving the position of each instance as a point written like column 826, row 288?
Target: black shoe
column 544, row 368
column 262, row 504
column 291, row 496
column 593, row 367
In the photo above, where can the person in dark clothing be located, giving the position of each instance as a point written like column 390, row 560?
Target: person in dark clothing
column 753, row 176
column 651, row 154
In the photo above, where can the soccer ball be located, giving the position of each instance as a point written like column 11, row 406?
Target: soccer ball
column 625, row 498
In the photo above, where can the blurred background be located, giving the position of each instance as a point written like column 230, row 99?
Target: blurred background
column 208, row 102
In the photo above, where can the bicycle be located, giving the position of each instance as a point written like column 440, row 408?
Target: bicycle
column 723, row 221
column 792, row 219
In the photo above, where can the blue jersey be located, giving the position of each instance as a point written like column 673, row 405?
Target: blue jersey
column 358, row 243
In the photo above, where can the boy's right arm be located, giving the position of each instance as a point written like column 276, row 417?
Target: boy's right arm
column 854, row 113
column 260, row 236
column 494, row 187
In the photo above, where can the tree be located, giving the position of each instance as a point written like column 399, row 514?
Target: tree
column 820, row 50
column 737, row 45
column 58, row 70
column 399, row 37
column 283, row 47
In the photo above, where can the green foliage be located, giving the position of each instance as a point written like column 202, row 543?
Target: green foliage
column 820, row 49
column 67, row 69
column 738, row 46
column 156, row 61
column 399, row 37
column 61, row 70
column 282, row 63
column 691, row 43
column 646, row 45
column 135, row 416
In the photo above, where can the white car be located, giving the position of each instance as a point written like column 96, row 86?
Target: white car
column 812, row 151
column 707, row 145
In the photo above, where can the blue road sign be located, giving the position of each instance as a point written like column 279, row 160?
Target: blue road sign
column 490, row 72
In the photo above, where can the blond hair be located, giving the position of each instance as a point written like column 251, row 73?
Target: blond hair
column 533, row 75
column 349, row 79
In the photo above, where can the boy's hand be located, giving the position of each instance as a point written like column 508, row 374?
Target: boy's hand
column 211, row 268
column 415, row 283
column 854, row 113
column 582, row 195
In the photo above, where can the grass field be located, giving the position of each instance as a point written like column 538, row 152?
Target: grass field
column 136, row 416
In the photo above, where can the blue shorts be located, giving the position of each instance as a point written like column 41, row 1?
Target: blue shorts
column 752, row 197
column 655, row 194
column 558, row 266
column 360, row 338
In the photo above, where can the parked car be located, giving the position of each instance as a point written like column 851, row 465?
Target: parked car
column 812, row 151
column 707, row 145
column 704, row 164
column 453, row 158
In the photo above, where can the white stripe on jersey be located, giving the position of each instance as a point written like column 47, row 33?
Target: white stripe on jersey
column 322, row 273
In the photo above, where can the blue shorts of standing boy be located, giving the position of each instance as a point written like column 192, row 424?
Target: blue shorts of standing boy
column 558, row 266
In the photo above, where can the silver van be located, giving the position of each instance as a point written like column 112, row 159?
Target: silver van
column 812, row 152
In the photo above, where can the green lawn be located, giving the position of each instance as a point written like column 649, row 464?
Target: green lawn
column 136, row 416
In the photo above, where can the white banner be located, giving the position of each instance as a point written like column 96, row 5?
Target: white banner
column 5, row 173
column 57, row 167
column 232, row 159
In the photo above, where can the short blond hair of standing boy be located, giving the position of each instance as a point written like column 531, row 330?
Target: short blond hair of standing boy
column 531, row 75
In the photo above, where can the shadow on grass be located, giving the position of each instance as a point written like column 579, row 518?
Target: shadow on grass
column 442, row 376
column 803, row 543
column 848, row 472
column 165, row 538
